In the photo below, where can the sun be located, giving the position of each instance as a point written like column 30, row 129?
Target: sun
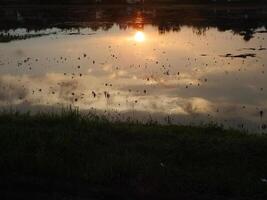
column 139, row 36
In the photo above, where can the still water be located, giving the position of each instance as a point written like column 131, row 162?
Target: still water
column 186, row 66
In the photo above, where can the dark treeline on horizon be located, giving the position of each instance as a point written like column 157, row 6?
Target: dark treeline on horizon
column 244, row 22
column 64, row 2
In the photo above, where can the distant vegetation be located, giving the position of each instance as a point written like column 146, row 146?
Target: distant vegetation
column 85, row 156
column 63, row 2
column 8, row 38
column 242, row 21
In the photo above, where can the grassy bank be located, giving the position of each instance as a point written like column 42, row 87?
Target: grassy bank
column 70, row 156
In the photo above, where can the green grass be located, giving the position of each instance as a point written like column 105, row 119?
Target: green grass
column 87, row 156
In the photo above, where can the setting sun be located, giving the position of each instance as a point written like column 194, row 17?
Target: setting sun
column 139, row 36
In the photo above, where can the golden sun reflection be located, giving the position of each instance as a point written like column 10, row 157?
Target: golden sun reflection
column 139, row 36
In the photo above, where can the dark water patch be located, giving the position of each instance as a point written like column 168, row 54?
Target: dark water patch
column 253, row 49
column 251, row 55
column 8, row 38
column 261, row 31
column 78, row 33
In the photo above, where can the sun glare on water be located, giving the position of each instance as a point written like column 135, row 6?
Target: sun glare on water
column 139, row 36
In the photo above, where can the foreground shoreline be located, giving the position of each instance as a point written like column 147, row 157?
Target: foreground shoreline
column 74, row 156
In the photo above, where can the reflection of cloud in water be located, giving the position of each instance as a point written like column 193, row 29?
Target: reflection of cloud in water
column 11, row 90
column 165, row 75
column 57, row 90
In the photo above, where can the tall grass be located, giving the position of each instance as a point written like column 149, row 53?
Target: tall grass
column 85, row 155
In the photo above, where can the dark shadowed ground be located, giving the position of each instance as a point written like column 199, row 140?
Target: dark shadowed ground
column 70, row 156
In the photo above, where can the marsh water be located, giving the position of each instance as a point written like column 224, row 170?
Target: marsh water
column 181, row 65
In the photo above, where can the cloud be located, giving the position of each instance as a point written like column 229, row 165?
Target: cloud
column 198, row 105
column 11, row 90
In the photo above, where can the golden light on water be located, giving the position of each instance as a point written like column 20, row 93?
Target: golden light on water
column 139, row 36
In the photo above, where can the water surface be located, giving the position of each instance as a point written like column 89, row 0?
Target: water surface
column 174, row 65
